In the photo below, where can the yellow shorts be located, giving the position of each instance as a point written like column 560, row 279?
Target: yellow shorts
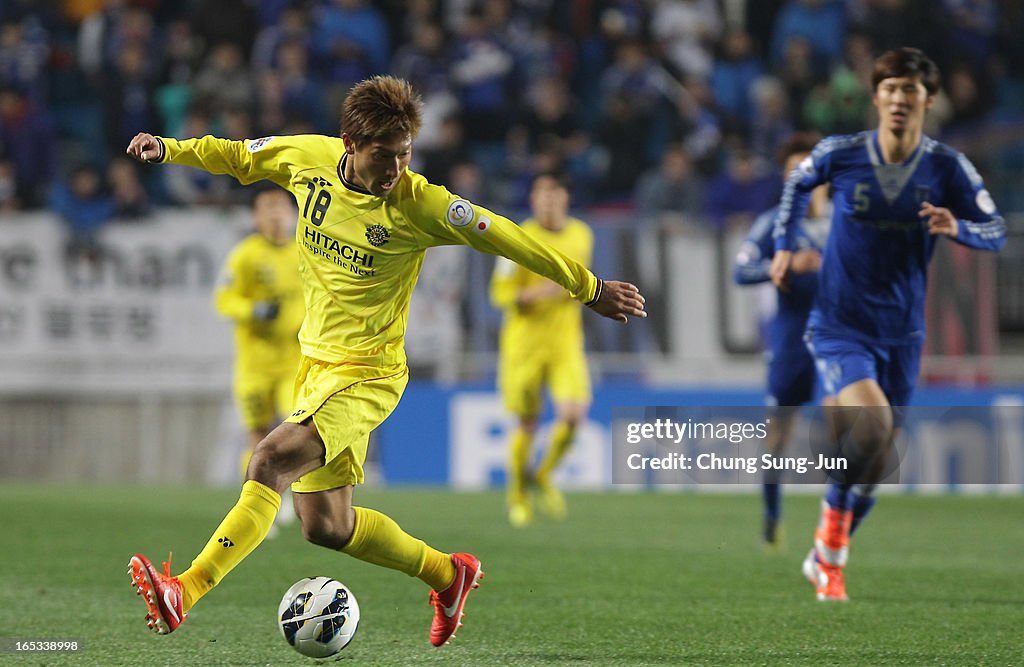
column 263, row 398
column 346, row 403
column 521, row 380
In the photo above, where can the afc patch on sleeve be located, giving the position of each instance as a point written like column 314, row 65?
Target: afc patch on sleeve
column 984, row 201
column 460, row 213
column 257, row 144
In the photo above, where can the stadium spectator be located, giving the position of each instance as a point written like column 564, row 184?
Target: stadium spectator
column 737, row 196
column 623, row 136
column 971, row 98
column 481, row 73
column 224, row 82
column 466, row 179
column 224, row 22
column 550, row 120
column 545, row 52
column 27, row 140
column 820, row 23
column 672, row 187
column 918, row 23
column 839, row 106
column 798, row 71
column 127, row 97
column 425, row 62
column 735, row 71
column 634, row 75
column 9, row 202
column 695, row 124
column 24, row 53
column 177, row 71
column 542, row 348
column 771, row 121
column 301, row 98
column 85, row 208
column 447, row 150
column 685, row 31
column 194, row 187
column 291, row 27
column 131, row 202
column 350, row 41
column 759, row 22
column 867, row 327
column 104, row 34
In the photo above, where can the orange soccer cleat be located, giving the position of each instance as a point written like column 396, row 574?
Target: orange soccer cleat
column 161, row 593
column 448, row 603
column 832, row 537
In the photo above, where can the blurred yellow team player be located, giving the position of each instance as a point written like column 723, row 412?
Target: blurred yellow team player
column 260, row 290
column 542, row 344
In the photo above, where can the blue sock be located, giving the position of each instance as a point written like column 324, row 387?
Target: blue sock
column 772, row 500
column 839, row 497
column 861, row 508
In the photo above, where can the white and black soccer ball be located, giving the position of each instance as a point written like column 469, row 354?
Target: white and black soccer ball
column 318, row 616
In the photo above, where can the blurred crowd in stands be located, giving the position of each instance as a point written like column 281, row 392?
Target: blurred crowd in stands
column 650, row 105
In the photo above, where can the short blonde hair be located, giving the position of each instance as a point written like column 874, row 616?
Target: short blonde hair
column 381, row 107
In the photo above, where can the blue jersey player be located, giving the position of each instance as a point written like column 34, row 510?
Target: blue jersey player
column 895, row 191
column 791, row 375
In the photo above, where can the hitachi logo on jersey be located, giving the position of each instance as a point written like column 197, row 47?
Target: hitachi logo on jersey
column 324, row 241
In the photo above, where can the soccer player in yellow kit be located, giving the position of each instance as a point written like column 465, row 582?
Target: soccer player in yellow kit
column 542, row 345
column 260, row 291
column 365, row 222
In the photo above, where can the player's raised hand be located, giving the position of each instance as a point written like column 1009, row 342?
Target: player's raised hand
column 780, row 269
column 807, row 260
column 940, row 220
column 618, row 300
column 144, row 147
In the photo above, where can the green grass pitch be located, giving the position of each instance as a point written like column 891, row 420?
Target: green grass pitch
column 628, row 579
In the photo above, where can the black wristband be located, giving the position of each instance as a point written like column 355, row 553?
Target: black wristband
column 163, row 150
column 597, row 294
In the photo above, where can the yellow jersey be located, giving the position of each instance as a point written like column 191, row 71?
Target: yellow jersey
column 360, row 254
column 552, row 322
column 257, row 271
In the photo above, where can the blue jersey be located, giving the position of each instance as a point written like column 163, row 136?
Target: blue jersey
column 790, row 366
column 874, row 268
column 754, row 260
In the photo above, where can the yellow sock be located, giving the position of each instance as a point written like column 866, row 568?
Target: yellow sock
column 520, row 448
column 561, row 439
column 377, row 539
column 238, row 534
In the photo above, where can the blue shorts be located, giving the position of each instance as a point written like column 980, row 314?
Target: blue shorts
column 842, row 360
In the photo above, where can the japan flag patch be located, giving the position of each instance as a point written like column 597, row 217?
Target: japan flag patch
column 483, row 223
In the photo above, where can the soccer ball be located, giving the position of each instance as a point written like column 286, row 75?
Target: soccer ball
column 318, row 616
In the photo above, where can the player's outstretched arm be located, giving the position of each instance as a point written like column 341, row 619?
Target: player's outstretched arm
column 781, row 269
column 144, row 147
column 617, row 300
